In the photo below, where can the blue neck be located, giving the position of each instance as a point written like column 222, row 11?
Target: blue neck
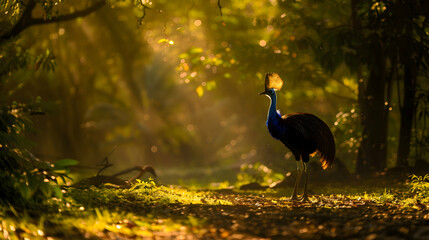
column 272, row 111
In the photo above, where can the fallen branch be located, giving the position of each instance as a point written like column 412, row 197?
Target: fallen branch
column 113, row 180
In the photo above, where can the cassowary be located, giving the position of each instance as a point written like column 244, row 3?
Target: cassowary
column 303, row 133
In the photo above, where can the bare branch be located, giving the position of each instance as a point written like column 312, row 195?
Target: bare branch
column 144, row 13
column 220, row 11
column 220, row 8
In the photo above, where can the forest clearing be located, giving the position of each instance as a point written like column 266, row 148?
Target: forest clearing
column 214, row 119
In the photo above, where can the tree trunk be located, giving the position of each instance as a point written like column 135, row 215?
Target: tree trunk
column 373, row 148
column 407, row 113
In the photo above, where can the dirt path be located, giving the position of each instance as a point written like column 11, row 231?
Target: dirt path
column 260, row 217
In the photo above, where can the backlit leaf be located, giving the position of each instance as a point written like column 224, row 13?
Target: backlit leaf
column 200, row 91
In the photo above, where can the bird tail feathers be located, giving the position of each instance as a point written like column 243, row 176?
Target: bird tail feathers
column 326, row 146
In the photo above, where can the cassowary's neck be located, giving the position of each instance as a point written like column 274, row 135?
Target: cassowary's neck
column 272, row 111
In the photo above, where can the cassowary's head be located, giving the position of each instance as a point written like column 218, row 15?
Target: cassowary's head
column 273, row 83
column 269, row 92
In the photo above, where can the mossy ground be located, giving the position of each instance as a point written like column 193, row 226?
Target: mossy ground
column 344, row 211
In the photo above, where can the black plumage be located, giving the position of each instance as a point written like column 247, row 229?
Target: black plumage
column 303, row 134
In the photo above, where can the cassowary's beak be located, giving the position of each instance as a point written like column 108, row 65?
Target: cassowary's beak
column 264, row 92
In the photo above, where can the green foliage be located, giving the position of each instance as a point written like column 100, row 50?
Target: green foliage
column 386, row 196
column 46, row 61
column 24, row 179
column 32, row 182
column 347, row 134
column 149, row 185
column 258, row 173
column 14, row 57
column 419, row 186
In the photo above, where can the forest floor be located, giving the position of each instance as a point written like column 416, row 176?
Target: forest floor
column 148, row 211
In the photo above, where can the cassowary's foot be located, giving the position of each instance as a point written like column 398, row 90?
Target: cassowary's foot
column 305, row 198
column 293, row 198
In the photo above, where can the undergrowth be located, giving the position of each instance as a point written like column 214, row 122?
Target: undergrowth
column 419, row 186
column 92, row 210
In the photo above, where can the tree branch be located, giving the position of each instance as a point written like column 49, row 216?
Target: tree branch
column 220, row 11
column 220, row 8
column 68, row 17
column 144, row 13
column 23, row 21
column 27, row 20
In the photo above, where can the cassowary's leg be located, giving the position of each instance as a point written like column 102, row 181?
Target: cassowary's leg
column 297, row 180
column 307, row 172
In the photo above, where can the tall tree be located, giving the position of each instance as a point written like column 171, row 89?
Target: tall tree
column 360, row 45
column 409, row 25
column 372, row 152
column 388, row 39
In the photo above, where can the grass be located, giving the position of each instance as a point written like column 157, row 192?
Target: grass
column 147, row 209
column 90, row 211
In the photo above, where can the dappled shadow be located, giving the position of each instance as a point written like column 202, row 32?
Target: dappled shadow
column 255, row 216
column 327, row 217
